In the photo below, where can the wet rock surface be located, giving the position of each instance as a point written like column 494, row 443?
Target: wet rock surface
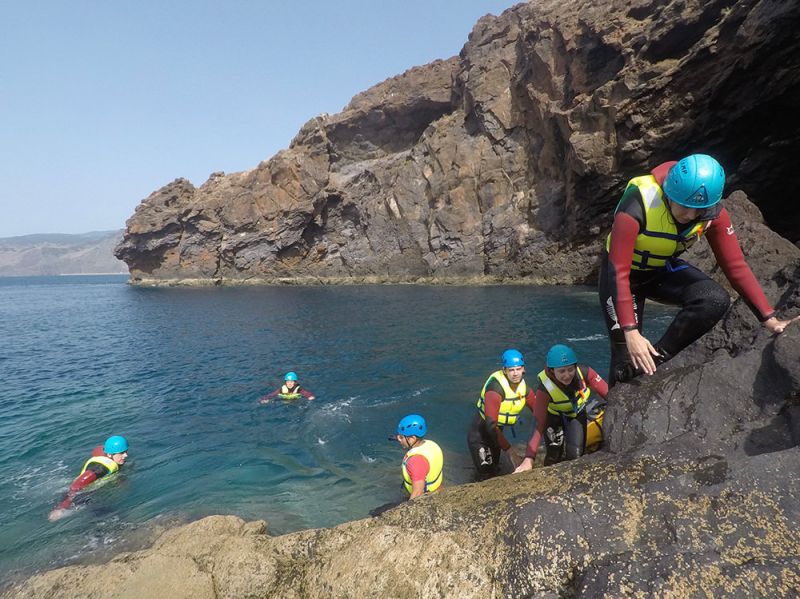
column 673, row 521
column 504, row 162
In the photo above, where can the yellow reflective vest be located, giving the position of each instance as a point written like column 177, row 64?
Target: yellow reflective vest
column 513, row 401
column 560, row 404
column 287, row 394
column 103, row 461
column 433, row 453
column 660, row 239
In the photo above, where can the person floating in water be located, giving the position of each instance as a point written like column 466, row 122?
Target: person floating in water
column 106, row 459
column 502, row 399
column 659, row 217
column 566, row 387
column 290, row 390
column 423, row 463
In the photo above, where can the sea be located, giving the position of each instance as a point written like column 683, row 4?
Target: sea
column 179, row 371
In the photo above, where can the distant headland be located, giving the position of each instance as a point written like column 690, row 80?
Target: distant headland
column 61, row 254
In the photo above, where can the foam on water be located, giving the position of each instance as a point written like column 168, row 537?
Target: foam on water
column 595, row 337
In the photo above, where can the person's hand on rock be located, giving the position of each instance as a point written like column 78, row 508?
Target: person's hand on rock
column 774, row 325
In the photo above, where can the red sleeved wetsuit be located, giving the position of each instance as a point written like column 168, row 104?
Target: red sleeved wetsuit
column 300, row 390
column 595, row 382
column 492, row 401
column 702, row 301
column 628, row 222
column 93, row 472
column 418, row 468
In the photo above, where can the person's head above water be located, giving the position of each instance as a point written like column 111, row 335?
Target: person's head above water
column 117, row 448
column 513, row 365
column 290, row 380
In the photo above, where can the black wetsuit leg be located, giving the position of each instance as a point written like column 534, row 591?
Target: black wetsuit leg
column 484, row 451
column 702, row 301
column 575, row 436
column 554, row 437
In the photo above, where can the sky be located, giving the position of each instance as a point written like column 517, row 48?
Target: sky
column 102, row 103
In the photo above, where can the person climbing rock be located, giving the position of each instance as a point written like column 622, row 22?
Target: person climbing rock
column 660, row 216
column 566, row 388
column 502, row 399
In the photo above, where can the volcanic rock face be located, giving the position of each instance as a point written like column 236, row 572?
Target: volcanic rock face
column 503, row 162
column 697, row 494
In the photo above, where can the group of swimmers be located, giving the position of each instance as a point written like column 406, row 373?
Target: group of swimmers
column 661, row 214
column 565, row 414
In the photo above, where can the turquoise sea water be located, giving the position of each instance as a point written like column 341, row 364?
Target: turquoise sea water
column 179, row 372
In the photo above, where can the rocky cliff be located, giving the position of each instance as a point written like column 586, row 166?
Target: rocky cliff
column 695, row 495
column 505, row 161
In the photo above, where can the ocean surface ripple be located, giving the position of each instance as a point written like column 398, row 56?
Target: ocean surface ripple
column 179, row 373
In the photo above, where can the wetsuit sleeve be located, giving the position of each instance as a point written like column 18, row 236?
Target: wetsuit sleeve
column 84, row 480
column 271, row 395
column 537, row 403
column 620, row 256
column 596, row 382
column 491, row 410
column 306, row 393
column 417, row 467
column 729, row 254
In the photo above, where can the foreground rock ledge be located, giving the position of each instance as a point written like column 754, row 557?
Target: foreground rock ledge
column 653, row 523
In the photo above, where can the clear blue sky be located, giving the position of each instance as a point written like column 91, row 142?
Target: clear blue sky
column 102, row 103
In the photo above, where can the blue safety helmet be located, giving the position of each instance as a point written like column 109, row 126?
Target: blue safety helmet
column 695, row 182
column 413, row 424
column 290, row 376
column 511, row 358
column 560, row 355
column 115, row 444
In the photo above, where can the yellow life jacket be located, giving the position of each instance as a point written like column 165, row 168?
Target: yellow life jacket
column 560, row 404
column 594, row 432
column 513, row 401
column 287, row 394
column 103, row 461
column 433, row 453
column 659, row 240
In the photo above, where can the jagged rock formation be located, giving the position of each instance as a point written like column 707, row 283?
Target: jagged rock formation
column 697, row 495
column 34, row 255
column 503, row 162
